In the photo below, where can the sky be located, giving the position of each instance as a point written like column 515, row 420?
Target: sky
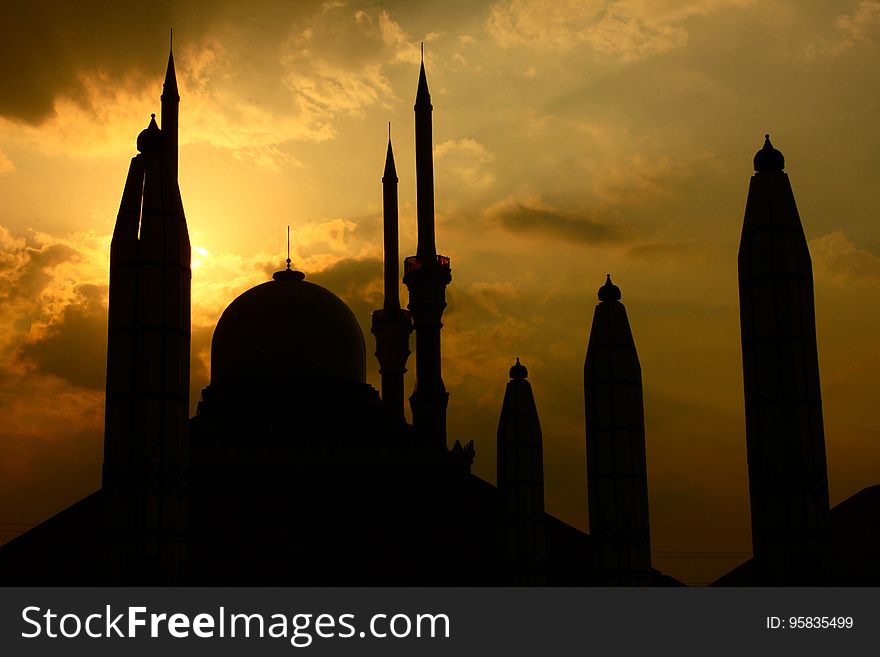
column 571, row 140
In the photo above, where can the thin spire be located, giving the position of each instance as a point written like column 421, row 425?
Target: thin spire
column 288, row 274
column 422, row 44
column 171, row 109
column 390, row 174
column 423, row 96
column 169, row 87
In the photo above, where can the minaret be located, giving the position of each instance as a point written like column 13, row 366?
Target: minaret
column 785, row 440
column 392, row 324
column 426, row 275
column 617, row 481
column 148, row 351
column 170, row 111
column 521, row 484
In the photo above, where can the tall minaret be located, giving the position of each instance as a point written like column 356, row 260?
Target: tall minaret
column 521, row 484
column 148, row 350
column 392, row 324
column 426, row 275
column 170, row 111
column 617, row 481
column 785, row 440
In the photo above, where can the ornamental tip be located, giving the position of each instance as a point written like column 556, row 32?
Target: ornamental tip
column 609, row 291
column 518, row 372
column 768, row 158
column 151, row 139
column 288, row 274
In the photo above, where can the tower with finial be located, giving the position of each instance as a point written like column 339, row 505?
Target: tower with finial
column 148, row 355
column 521, row 484
column 617, row 481
column 426, row 276
column 171, row 109
column 785, row 439
column 391, row 324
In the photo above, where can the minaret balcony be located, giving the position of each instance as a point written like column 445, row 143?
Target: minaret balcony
column 414, row 263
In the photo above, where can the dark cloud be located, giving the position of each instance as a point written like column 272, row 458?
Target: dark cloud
column 358, row 282
column 579, row 227
column 75, row 347
column 45, row 45
column 24, row 269
column 665, row 250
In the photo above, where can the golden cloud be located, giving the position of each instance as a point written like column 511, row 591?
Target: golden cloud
column 625, row 29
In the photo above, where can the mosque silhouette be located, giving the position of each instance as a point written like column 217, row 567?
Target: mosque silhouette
column 295, row 471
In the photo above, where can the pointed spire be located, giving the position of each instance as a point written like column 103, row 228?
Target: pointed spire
column 423, row 96
column 170, row 112
column 390, row 174
column 169, row 87
column 426, row 247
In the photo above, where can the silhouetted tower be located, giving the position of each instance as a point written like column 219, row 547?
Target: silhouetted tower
column 392, row 324
column 148, row 352
column 617, row 481
column 170, row 112
column 521, row 483
column 426, row 275
column 785, row 441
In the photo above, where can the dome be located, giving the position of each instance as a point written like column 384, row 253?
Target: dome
column 151, row 139
column 284, row 330
column 609, row 291
column 768, row 158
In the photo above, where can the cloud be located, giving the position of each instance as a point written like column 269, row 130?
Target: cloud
column 670, row 251
column 851, row 29
column 40, row 276
column 46, row 46
column 636, row 178
column 74, row 348
column 467, row 160
column 358, row 282
column 251, row 81
column 532, row 217
column 6, row 164
column 52, row 330
column 838, row 262
column 624, row 29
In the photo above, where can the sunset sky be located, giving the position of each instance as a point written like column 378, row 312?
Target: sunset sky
column 571, row 139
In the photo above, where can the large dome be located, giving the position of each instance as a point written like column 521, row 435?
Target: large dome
column 285, row 330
